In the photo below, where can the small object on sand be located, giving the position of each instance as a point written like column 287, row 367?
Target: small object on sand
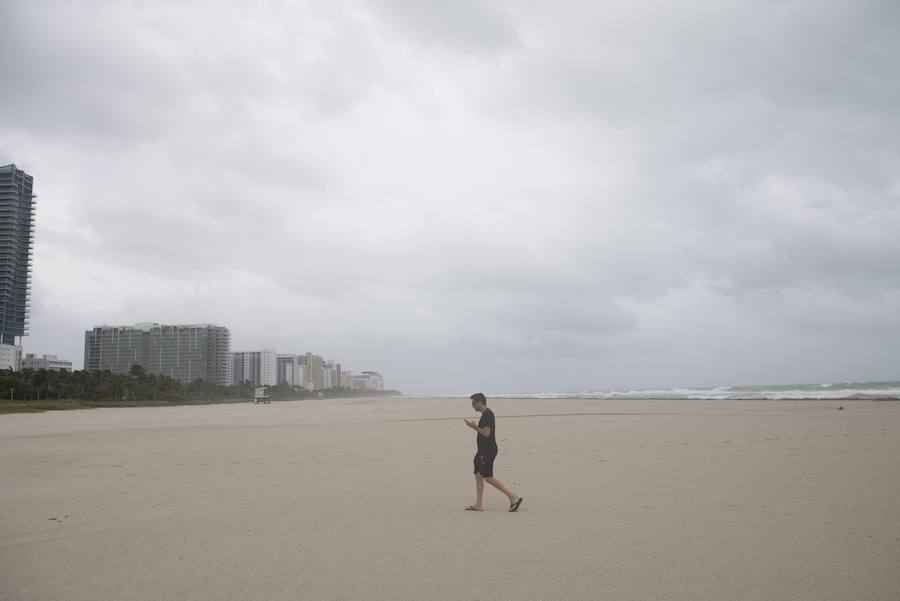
column 841, row 408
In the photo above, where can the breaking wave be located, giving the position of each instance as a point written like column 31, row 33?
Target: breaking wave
column 837, row 390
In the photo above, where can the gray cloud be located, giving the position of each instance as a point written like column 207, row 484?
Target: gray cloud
column 506, row 196
column 466, row 26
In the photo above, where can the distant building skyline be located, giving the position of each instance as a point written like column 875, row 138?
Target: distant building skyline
column 299, row 371
column 187, row 352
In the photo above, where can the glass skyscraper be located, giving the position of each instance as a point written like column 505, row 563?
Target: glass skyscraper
column 16, row 236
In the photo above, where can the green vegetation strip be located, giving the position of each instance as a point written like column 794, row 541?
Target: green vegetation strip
column 31, row 391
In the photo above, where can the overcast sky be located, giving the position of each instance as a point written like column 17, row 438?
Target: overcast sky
column 500, row 196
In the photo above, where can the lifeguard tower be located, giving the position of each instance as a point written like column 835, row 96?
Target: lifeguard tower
column 260, row 396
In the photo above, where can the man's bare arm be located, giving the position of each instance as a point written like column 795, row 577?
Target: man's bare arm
column 484, row 430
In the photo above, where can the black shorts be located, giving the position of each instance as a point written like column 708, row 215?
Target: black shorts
column 484, row 464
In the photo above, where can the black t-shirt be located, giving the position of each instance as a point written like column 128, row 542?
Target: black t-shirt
column 487, row 444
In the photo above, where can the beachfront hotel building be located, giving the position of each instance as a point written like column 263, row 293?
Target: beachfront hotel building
column 182, row 352
column 48, row 362
column 367, row 380
column 291, row 371
column 256, row 367
column 313, row 365
column 347, row 379
column 16, row 248
column 375, row 380
column 309, row 371
column 331, row 374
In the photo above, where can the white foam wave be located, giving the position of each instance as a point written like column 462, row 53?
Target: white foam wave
column 870, row 390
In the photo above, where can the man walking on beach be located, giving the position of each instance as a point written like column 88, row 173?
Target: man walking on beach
column 487, row 452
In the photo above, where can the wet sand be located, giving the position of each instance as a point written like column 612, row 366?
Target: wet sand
column 363, row 499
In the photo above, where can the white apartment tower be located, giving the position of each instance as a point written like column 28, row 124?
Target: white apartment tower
column 257, row 367
column 291, row 371
column 331, row 374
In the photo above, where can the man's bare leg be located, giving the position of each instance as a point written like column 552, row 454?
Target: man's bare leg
column 502, row 488
column 479, row 491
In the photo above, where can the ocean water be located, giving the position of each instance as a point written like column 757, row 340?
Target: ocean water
column 836, row 390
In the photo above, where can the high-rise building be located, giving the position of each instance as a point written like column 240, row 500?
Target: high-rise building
column 258, row 367
column 331, row 374
column 16, row 236
column 182, row 352
column 347, row 379
column 313, row 365
column 291, row 371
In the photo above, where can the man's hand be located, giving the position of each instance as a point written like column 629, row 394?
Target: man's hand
column 471, row 423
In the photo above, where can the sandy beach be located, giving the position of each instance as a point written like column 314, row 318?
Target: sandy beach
column 363, row 500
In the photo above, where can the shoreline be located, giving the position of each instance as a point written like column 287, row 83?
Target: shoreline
column 688, row 398
column 32, row 407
